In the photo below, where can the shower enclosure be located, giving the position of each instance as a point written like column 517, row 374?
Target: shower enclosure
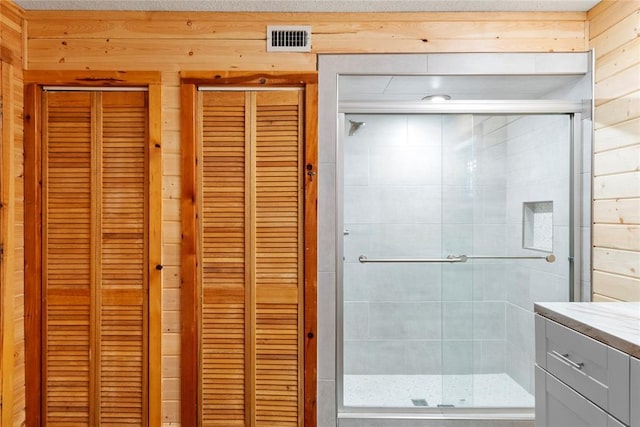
column 440, row 224
column 453, row 225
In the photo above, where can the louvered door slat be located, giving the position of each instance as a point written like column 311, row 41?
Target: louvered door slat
column 122, row 282
column 222, row 329
column 67, row 260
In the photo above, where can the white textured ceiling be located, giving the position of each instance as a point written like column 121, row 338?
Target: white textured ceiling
column 316, row 5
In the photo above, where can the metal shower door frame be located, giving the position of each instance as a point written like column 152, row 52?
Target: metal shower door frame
column 535, row 107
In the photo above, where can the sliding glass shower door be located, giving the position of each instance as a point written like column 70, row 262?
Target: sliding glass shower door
column 453, row 225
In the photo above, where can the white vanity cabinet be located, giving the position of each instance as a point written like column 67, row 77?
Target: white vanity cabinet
column 586, row 373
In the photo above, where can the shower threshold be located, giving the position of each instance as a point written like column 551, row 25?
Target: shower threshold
column 440, row 391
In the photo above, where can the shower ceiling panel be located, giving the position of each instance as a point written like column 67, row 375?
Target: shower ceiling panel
column 414, row 88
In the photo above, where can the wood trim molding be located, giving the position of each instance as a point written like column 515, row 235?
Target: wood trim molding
column 33, row 255
column 189, row 299
column 92, row 78
column 311, row 256
column 7, row 268
column 189, row 368
column 154, row 156
column 248, row 78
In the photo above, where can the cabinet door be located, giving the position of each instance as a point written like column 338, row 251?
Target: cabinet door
column 557, row 405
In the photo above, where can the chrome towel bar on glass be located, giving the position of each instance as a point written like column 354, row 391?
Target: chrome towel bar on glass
column 452, row 258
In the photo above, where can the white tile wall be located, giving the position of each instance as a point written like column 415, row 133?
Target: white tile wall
column 399, row 202
column 538, row 160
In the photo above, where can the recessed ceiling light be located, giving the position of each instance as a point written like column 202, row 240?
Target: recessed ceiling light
column 436, row 98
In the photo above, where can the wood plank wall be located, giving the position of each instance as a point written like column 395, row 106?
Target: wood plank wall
column 615, row 37
column 12, row 235
column 171, row 42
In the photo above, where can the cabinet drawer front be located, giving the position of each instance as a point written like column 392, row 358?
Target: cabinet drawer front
column 595, row 370
column 563, row 407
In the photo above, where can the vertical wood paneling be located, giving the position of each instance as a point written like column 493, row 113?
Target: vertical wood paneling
column 614, row 33
column 12, row 310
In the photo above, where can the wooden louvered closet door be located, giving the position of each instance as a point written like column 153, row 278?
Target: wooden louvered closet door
column 94, row 246
column 251, row 276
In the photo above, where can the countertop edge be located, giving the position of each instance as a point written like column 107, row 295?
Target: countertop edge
column 591, row 331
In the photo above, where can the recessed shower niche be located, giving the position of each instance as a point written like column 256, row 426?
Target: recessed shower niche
column 537, row 226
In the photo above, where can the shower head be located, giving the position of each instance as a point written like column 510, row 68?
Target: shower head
column 355, row 127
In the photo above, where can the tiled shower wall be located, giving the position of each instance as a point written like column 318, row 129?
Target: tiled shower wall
column 428, row 186
column 393, row 209
column 538, row 160
column 410, row 185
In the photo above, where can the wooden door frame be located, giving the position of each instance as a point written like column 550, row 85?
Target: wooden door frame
column 189, row 255
column 34, row 81
column 7, row 239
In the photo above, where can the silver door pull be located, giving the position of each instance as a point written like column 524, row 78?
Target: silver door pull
column 548, row 258
column 565, row 358
column 363, row 259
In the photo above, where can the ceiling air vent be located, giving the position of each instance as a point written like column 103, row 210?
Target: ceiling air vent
column 288, row 38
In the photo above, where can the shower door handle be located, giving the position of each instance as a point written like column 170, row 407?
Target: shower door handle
column 450, row 259
column 548, row 258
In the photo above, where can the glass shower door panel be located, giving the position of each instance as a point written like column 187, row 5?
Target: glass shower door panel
column 392, row 311
column 506, row 195
column 458, row 191
column 427, row 187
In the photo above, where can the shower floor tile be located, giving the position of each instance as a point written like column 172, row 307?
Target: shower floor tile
column 401, row 391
